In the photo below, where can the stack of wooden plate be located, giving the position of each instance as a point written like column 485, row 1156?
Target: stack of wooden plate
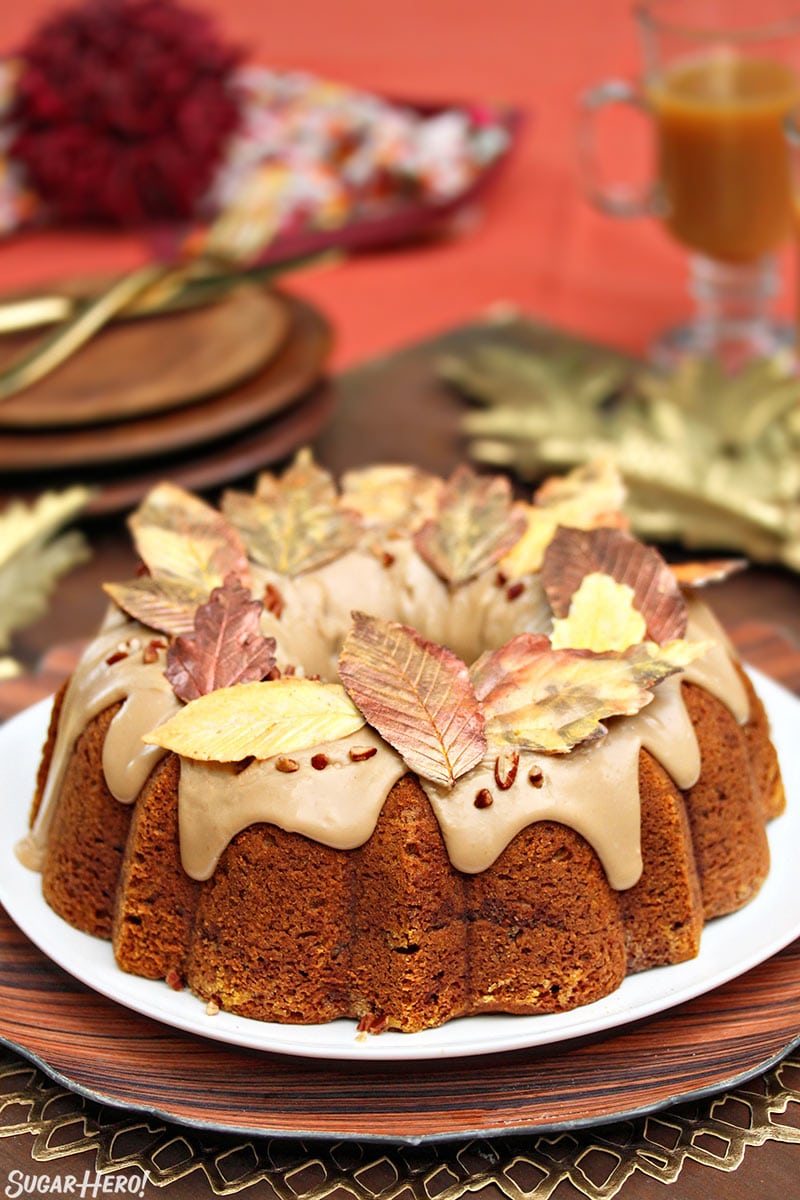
column 199, row 397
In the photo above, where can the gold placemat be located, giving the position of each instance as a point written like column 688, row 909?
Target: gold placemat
column 714, row 1133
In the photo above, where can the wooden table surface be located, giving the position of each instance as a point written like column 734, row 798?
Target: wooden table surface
column 395, row 409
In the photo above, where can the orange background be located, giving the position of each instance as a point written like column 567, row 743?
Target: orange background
column 536, row 242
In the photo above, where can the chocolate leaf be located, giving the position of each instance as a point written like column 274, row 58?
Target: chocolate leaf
column 476, row 524
column 589, row 497
column 699, row 574
column 392, row 496
column 259, row 720
column 178, row 536
column 417, row 695
column 575, row 553
column 551, row 700
column 601, row 617
column 295, row 523
column 165, row 604
column 226, row 647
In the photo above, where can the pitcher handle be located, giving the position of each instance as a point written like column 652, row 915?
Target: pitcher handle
column 616, row 199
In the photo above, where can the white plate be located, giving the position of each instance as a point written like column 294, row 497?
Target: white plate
column 731, row 945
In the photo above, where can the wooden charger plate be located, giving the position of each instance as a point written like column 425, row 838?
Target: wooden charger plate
column 150, row 365
column 293, row 369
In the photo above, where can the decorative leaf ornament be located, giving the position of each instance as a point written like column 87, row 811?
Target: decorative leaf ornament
column 475, row 525
column 710, row 458
column 226, row 647
column 418, row 696
column 259, row 720
column 34, row 554
column 168, row 605
column 296, row 523
column 549, row 701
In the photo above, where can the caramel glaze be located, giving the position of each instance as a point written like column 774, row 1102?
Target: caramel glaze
column 336, row 799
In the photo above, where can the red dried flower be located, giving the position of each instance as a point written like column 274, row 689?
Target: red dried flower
column 123, row 109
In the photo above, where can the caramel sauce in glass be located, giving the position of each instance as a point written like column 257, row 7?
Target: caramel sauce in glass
column 723, row 162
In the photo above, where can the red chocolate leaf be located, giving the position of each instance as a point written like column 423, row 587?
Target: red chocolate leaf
column 551, row 700
column 418, row 696
column 476, row 524
column 227, row 646
column 575, row 553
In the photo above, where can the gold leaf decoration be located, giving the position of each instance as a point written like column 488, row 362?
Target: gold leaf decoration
column 296, row 523
column 475, row 525
column 574, row 554
column 588, row 497
column 178, row 536
column 168, row 605
column 393, row 496
column 34, row 554
column 418, row 696
column 552, row 700
column 259, row 720
column 225, row 647
column 710, row 458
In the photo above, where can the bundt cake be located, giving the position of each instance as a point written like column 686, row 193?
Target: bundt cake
column 402, row 750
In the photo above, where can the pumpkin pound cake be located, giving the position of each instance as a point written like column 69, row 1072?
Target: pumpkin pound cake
column 402, row 750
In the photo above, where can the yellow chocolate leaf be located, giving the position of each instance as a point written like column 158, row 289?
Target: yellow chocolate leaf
column 601, row 617
column 168, row 605
column 589, row 497
column 392, row 495
column 294, row 523
column 259, row 720
column 574, row 554
column 475, row 525
column 178, row 536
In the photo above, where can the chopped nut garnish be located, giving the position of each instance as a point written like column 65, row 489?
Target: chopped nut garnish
column 500, row 579
column 505, row 769
column 150, row 652
column 289, row 670
column 273, row 601
column 212, row 1008
column 319, row 762
column 387, row 558
column 116, row 657
column 287, row 765
column 374, row 1023
column 175, row 980
column 535, row 777
column 362, row 753
column 514, row 591
column 484, row 799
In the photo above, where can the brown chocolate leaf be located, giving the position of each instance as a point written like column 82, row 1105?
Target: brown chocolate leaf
column 576, row 553
column 417, row 695
column 178, row 536
column 226, row 647
column 476, row 524
column 551, row 700
column 699, row 574
column 295, row 523
column 165, row 604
